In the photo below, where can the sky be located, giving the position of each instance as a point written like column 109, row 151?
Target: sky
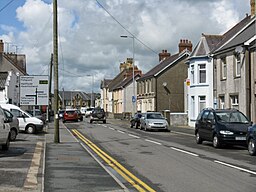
column 90, row 46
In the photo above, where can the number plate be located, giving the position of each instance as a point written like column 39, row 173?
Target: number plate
column 240, row 138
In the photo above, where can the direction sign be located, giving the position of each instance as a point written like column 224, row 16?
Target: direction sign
column 34, row 90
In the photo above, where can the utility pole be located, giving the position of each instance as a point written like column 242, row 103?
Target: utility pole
column 55, row 63
column 50, row 90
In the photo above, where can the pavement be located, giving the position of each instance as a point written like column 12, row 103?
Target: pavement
column 70, row 167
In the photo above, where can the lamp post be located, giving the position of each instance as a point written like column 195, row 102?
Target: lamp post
column 92, row 89
column 133, row 81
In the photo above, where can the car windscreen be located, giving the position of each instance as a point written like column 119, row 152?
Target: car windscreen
column 155, row 116
column 70, row 112
column 231, row 117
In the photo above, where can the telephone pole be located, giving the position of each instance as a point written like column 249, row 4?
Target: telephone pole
column 55, row 63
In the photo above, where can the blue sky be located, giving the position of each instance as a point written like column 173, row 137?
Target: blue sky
column 89, row 38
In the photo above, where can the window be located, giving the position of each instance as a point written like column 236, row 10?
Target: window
column 237, row 65
column 202, row 73
column 234, row 101
column 222, row 102
column 202, row 102
column 192, row 75
column 223, row 68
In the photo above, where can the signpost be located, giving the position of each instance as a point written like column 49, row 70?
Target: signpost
column 34, row 90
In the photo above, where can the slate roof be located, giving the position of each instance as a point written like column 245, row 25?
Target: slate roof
column 168, row 62
column 206, row 44
column 68, row 94
column 125, row 82
column 232, row 32
column 105, row 83
column 3, row 77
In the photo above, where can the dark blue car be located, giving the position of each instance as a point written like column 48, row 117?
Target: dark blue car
column 251, row 139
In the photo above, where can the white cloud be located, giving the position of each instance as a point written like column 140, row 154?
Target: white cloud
column 90, row 40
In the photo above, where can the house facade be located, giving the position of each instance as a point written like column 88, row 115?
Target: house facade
column 200, row 77
column 162, row 88
column 105, row 96
column 234, row 63
column 11, row 66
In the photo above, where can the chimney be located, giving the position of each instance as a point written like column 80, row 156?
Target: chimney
column 253, row 7
column 185, row 44
column 1, row 46
column 164, row 55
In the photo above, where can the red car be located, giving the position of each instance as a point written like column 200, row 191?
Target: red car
column 70, row 115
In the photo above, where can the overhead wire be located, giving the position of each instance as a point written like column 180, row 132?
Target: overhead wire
column 125, row 27
column 6, row 5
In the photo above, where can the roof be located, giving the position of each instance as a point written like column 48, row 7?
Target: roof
column 206, row 44
column 163, row 65
column 68, row 94
column 3, row 77
column 105, row 83
column 233, row 32
column 125, row 82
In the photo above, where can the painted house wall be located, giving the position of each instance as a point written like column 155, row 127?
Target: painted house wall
column 197, row 90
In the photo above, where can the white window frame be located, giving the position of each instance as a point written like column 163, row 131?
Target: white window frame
column 201, row 100
column 223, row 68
column 192, row 74
column 222, row 102
column 201, row 69
column 238, row 65
column 234, row 101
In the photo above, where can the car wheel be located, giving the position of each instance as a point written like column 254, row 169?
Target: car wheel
column 104, row 121
column 31, row 129
column 251, row 147
column 5, row 147
column 198, row 138
column 145, row 128
column 90, row 121
column 13, row 135
column 216, row 142
column 137, row 125
column 131, row 125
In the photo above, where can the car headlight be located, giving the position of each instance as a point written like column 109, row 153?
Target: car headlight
column 225, row 132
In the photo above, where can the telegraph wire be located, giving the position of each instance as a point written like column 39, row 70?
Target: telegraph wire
column 124, row 27
column 5, row 6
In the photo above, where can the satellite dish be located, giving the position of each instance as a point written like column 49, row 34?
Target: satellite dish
column 239, row 50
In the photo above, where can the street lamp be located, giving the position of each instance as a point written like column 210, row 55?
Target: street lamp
column 92, row 89
column 133, row 82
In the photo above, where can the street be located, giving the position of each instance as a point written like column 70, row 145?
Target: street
column 173, row 161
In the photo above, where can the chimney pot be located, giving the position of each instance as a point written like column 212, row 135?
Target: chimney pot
column 163, row 55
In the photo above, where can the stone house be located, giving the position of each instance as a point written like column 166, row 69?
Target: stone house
column 162, row 87
column 234, row 68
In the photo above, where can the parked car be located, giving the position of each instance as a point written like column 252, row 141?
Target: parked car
column 135, row 121
column 80, row 115
column 83, row 110
column 70, row 115
column 38, row 114
column 88, row 112
column 61, row 113
column 98, row 114
column 154, row 121
column 26, row 121
column 221, row 126
column 13, row 124
column 251, row 139
column 4, row 131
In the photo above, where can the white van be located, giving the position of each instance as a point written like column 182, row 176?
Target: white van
column 4, row 131
column 26, row 121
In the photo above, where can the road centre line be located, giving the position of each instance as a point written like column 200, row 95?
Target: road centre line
column 120, row 131
column 235, row 167
column 151, row 141
column 134, row 136
column 128, row 176
column 183, row 151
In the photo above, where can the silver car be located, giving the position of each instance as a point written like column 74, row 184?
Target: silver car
column 154, row 121
column 13, row 124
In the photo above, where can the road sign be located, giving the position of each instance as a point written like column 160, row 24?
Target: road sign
column 34, row 90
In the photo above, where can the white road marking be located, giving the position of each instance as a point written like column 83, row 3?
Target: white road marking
column 189, row 153
column 235, row 167
column 180, row 133
column 134, row 136
column 104, row 125
column 111, row 128
column 153, row 142
column 120, row 131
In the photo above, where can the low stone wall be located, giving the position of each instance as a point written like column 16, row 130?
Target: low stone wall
column 178, row 119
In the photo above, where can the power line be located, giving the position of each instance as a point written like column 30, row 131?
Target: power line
column 6, row 5
column 124, row 27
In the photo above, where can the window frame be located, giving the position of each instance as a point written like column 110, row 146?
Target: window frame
column 223, row 68
column 201, row 70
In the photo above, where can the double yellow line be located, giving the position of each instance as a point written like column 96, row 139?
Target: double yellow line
column 127, row 175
